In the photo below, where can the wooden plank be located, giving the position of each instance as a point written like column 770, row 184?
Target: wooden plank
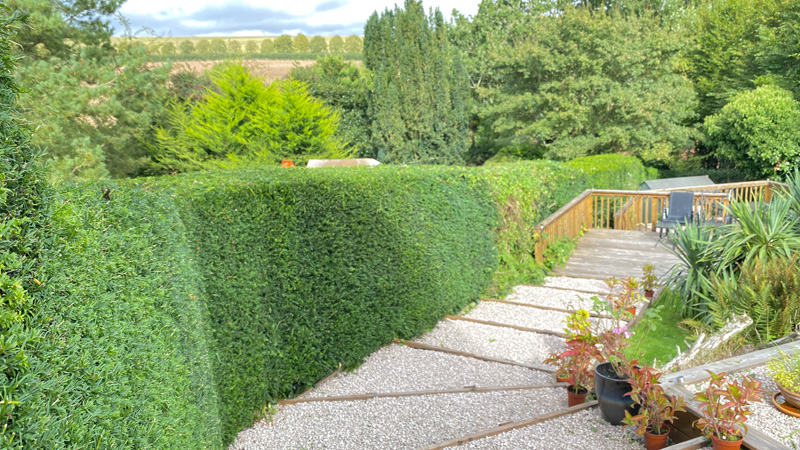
column 548, row 308
column 511, row 426
column 692, row 444
column 733, row 364
column 505, row 325
column 421, row 346
column 371, row 395
column 564, row 209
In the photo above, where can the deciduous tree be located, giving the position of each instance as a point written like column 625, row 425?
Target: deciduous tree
column 283, row 44
column 336, row 45
column 300, row 43
column 318, row 45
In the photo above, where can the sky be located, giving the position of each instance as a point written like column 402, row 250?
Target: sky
column 264, row 18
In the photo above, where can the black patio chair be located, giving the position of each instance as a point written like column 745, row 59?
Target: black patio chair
column 679, row 213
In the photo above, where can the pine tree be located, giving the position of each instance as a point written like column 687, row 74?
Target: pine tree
column 419, row 99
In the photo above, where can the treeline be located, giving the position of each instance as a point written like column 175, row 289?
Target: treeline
column 227, row 47
column 687, row 87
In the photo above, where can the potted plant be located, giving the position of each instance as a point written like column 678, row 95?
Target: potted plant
column 785, row 370
column 577, row 361
column 611, row 377
column 725, row 407
column 649, row 281
column 656, row 408
column 624, row 294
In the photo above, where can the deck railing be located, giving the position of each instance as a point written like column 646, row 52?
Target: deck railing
column 641, row 210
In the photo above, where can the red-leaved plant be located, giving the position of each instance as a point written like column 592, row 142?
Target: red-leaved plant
column 725, row 406
column 577, row 361
column 656, row 408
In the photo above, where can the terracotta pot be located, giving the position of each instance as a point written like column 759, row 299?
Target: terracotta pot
column 655, row 441
column 631, row 310
column 611, row 392
column 575, row 399
column 792, row 398
column 562, row 379
column 649, row 294
column 721, row 444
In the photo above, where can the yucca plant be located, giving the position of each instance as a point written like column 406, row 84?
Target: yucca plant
column 763, row 230
column 689, row 280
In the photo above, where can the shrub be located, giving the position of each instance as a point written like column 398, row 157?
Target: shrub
column 317, row 44
column 336, row 45
column 300, row 43
column 759, row 130
column 241, row 120
column 267, row 46
column 613, row 171
column 283, row 44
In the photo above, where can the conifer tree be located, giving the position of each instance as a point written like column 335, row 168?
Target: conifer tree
column 418, row 105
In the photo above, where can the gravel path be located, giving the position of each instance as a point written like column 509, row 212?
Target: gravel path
column 556, row 298
column 584, row 284
column 395, row 423
column 585, row 430
column 396, row 368
column 522, row 316
column 497, row 342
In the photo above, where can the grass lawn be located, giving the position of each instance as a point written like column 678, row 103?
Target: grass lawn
column 661, row 341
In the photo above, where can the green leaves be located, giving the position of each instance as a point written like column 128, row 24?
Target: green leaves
column 240, row 120
column 759, row 130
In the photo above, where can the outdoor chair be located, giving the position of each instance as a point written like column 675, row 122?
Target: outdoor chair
column 679, row 213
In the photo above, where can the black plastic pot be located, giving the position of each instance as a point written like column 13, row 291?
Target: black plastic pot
column 611, row 392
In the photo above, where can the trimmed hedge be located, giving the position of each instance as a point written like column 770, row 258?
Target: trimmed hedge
column 527, row 192
column 174, row 312
column 124, row 329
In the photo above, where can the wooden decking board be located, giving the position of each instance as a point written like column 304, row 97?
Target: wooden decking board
column 618, row 253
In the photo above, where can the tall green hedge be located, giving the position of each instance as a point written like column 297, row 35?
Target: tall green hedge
column 171, row 314
column 612, row 171
column 307, row 269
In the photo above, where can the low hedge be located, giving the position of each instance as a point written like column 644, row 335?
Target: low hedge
column 611, row 171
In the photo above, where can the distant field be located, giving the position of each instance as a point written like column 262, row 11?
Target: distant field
column 196, row 39
column 268, row 69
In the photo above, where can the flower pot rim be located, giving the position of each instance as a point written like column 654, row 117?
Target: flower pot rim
column 714, row 436
column 649, row 429
column 581, row 391
column 782, row 387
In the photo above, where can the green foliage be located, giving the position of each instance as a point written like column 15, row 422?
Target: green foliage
column 304, row 270
column 759, row 130
column 689, row 281
column 336, row 44
column 785, row 369
column 24, row 222
column 527, row 192
column 267, row 46
column 234, row 46
column 768, row 291
column 344, row 87
column 611, row 171
column 300, row 43
column 60, row 28
column 203, row 46
column 218, row 46
column 418, row 104
column 168, row 48
column 353, row 44
column 105, row 131
column 318, row 45
column 251, row 46
column 283, row 44
column 186, row 47
column 241, row 120
column 124, row 347
column 585, row 82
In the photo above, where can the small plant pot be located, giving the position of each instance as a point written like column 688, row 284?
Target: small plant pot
column 561, row 379
column 575, row 398
column 792, row 398
column 631, row 310
column 611, row 394
column 722, row 444
column 655, row 441
column 649, row 294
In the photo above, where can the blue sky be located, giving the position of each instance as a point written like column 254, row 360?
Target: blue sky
column 264, row 18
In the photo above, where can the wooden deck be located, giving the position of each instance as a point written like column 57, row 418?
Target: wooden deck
column 602, row 253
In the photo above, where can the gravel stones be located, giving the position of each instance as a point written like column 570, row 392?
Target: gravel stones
column 396, row 368
column 556, row 298
column 497, row 342
column 540, row 319
column 395, row 423
column 582, row 284
column 584, row 430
